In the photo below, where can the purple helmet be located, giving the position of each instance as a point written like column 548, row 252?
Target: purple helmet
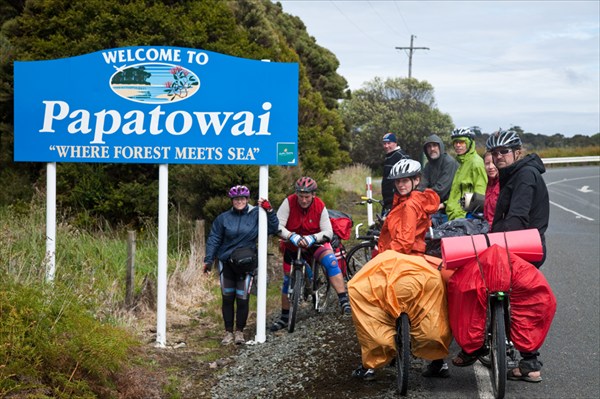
column 238, row 191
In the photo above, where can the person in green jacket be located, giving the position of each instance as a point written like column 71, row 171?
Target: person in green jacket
column 470, row 177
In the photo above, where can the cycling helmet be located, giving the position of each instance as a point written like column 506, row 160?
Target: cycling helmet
column 405, row 168
column 306, row 184
column 238, row 191
column 468, row 132
column 503, row 138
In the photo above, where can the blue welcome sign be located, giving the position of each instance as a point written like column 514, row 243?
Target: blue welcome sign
column 156, row 105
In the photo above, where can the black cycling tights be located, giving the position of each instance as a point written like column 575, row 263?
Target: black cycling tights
column 241, row 313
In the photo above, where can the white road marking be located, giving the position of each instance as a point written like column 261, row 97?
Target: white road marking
column 585, row 189
column 578, row 215
column 575, row 178
column 484, row 383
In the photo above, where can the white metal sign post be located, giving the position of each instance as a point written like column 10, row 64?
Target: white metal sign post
column 261, row 297
column 50, row 259
column 163, row 222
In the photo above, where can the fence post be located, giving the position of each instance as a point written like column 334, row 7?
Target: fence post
column 197, row 249
column 130, row 277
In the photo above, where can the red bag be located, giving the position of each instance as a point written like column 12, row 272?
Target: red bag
column 532, row 301
column 340, row 254
column 341, row 223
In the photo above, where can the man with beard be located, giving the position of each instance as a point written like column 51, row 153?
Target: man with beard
column 438, row 174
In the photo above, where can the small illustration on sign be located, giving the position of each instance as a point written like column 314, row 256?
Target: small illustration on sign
column 154, row 83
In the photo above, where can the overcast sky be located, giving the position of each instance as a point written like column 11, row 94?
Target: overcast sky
column 534, row 64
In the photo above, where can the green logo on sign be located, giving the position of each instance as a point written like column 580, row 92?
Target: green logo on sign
column 286, row 153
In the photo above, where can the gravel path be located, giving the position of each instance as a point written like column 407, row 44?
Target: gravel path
column 316, row 361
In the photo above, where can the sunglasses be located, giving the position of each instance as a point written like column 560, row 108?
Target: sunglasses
column 503, row 151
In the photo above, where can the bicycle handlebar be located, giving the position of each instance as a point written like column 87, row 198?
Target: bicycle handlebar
column 369, row 200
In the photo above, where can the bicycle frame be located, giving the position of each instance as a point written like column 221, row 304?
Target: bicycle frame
column 306, row 280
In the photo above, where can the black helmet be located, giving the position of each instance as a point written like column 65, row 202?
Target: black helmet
column 405, row 168
column 468, row 132
column 503, row 138
column 306, row 185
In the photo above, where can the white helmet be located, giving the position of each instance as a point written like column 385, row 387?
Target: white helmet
column 405, row 168
column 503, row 138
column 468, row 132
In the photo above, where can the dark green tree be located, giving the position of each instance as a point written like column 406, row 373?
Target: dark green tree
column 403, row 106
column 255, row 29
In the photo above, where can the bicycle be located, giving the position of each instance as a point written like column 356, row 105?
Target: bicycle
column 403, row 352
column 500, row 350
column 306, row 280
column 364, row 251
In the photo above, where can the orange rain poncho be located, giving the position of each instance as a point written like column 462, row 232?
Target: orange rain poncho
column 392, row 283
column 405, row 227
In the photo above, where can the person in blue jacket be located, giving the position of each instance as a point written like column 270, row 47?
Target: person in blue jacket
column 235, row 229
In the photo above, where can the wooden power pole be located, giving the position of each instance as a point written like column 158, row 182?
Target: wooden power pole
column 410, row 53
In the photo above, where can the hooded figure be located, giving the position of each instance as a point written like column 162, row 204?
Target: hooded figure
column 400, row 279
column 470, row 177
column 523, row 201
column 440, row 168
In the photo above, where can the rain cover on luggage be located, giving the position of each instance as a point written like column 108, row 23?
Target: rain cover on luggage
column 392, row 283
column 532, row 302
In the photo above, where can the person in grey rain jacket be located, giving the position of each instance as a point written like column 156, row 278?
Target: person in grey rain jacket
column 438, row 174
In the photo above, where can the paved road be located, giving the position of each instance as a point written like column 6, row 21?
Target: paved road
column 571, row 350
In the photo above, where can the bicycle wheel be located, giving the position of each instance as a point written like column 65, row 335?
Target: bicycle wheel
column 403, row 353
column 498, row 350
column 320, row 288
column 358, row 256
column 298, row 285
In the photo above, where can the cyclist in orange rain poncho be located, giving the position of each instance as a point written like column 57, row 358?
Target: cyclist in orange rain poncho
column 402, row 279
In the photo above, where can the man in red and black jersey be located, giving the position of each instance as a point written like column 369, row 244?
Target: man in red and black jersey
column 304, row 222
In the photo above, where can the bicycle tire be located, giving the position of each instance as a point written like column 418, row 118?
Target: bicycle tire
column 403, row 353
column 498, row 350
column 298, row 285
column 358, row 256
column 320, row 288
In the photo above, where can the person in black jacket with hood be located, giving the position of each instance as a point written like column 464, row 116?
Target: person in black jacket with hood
column 438, row 174
column 523, row 203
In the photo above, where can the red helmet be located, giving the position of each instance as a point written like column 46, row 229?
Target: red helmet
column 306, row 184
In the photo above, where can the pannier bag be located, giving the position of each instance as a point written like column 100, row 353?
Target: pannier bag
column 340, row 255
column 243, row 260
column 341, row 223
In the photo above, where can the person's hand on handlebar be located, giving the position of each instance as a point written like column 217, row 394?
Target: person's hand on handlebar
column 302, row 242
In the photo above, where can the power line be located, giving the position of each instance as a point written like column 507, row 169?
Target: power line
column 410, row 54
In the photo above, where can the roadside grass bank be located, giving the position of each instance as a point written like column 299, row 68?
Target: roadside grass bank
column 75, row 338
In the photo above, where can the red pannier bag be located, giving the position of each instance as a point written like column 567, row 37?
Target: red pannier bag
column 340, row 255
column 341, row 223
column 342, row 228
column 532, row 302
